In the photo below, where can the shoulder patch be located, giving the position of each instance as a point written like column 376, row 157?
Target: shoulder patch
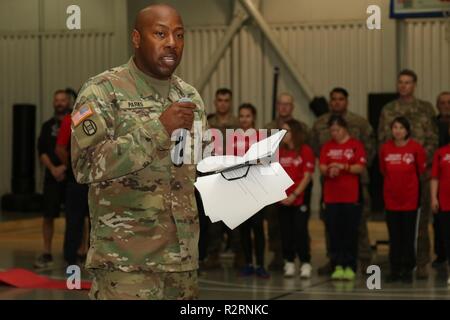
column 82, row 114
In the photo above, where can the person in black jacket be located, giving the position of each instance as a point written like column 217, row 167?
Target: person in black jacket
column 443, row 121
column 55, row 174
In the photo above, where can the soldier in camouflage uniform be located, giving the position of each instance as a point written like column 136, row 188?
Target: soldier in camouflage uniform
column 144, row 218
column 421, row 115
column 222, row 120
column 285, row 108
column 359, row 128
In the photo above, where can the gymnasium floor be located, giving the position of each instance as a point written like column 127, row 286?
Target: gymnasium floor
column 20, row 243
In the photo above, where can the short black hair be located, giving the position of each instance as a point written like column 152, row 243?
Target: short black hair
column 405, row 123
column 250, row 107
column 337, row 119
column 224, row 91
column 339, row 90
column 407, row 72
column 59, row 91
column 71, row 92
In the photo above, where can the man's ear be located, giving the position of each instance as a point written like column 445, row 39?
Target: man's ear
column 136, row 39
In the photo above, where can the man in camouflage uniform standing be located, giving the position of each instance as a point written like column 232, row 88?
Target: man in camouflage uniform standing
column 222, row 120
column 143, row 213
column 285, row 109
column 421, row 116
column 359, row 128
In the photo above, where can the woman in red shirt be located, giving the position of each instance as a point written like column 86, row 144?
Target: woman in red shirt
column 402, row 162
column 297, row 159
column 242, row 140
column 440, row 194
column 342, row 160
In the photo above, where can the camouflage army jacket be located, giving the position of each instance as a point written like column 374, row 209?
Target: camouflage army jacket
column 421, row 116
column 143, row 211
column 231, row 123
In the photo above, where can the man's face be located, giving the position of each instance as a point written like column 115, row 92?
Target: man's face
column 223, row 103
column 338, row 102
column 285, row 106
column 444, row 105
column 160, row 43
column 61, row 103
column 406, row 86
column 246, row 119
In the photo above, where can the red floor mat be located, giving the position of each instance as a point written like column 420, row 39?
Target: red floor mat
column 22, row 278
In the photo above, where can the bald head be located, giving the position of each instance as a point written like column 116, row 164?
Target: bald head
column 146, row 15
column 285, row 105
column 158, row 40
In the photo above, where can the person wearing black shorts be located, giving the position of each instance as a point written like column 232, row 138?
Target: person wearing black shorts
column 55, row 175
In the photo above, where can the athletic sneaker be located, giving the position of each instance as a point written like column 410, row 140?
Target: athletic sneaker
column 289, row 269
column 262, row 273
column 349, row 274
column 247, row 271
column 338, row 273
column 305, row 271
column 44, row 261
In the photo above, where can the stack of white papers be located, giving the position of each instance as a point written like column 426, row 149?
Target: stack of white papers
column 235, row 201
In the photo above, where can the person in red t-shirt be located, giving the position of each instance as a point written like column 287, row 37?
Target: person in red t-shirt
column 342, row 160
column 297, row 159
column 76, row 236
column 242, row 139
column 440, row 194
column 402, row 162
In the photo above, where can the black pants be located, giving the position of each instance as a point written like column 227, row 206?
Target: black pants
column 53, row 196
column 77, row 209
column 294, row 232
column 255, row 224
column 342, row 223
column 402, row 238
column 444, row 225
column 439, row 244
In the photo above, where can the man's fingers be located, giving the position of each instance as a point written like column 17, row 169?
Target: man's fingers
column 186, row 105
column 186, row 112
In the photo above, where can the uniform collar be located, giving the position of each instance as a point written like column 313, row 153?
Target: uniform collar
column 401, row 103
column 144, row 84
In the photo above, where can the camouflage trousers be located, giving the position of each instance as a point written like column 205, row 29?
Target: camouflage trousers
column 119, row 285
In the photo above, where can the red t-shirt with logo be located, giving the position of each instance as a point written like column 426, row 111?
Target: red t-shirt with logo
column 345, row 187
column 64, row 132
column 401, row 168
column 441, row 171
column 296, row 164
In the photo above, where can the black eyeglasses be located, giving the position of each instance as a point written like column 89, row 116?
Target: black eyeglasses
column 237, row 172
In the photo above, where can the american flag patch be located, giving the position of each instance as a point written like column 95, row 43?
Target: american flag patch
column 80, row 115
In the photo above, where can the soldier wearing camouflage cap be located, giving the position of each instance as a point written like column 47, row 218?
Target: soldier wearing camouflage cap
column 421, row 116
column 144, row 218
column 359, row 128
